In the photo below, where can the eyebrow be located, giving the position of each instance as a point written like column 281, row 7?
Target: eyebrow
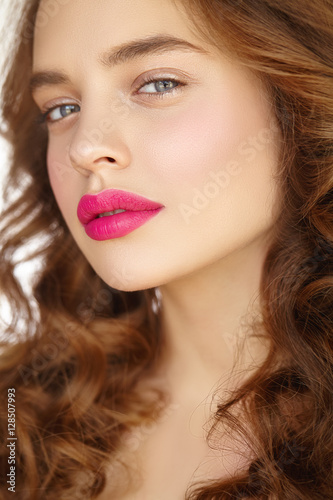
column 121, row 54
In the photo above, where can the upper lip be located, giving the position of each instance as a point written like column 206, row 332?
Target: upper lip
column 92, row 205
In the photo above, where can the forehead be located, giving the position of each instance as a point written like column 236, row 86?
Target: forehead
column 85, row 27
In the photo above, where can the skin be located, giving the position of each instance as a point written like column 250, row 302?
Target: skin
column 204, row 251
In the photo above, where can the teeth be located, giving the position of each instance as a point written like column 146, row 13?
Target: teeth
column 111, row 213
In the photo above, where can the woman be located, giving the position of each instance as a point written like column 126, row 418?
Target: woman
column 177, row 158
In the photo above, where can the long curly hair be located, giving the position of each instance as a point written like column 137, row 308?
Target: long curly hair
column 76, row 350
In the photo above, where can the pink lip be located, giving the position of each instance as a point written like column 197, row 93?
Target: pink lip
column 138, row 211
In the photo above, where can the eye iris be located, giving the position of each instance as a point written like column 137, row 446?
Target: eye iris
column 67, row 110
column 164, row 85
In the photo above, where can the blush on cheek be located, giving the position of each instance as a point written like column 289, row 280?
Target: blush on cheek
column 205, row 137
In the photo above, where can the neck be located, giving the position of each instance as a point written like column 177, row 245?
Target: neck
column 204, row 316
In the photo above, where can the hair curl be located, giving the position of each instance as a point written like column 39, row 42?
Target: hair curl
column 85, row 347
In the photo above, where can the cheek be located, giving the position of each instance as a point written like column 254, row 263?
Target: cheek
column 208, row 136
column 217, row 156
column 185, row 144
column 62, row 177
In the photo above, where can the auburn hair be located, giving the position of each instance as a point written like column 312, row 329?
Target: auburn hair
column 76, row 350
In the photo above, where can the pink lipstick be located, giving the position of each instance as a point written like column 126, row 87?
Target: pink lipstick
column 112, row 213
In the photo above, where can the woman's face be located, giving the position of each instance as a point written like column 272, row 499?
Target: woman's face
column 177, row 123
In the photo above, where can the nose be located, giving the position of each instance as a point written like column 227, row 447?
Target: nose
column 98, row 145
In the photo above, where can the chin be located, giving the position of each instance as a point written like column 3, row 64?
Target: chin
column 125, row 282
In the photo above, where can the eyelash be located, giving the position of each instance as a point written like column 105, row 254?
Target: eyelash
column 43, row 117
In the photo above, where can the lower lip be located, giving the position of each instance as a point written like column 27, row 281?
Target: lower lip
column 110, row 227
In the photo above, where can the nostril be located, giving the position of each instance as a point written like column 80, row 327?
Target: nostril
column 111, row 160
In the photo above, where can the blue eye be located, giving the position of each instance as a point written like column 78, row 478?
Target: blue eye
column 160, row 86
column 58, row 112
